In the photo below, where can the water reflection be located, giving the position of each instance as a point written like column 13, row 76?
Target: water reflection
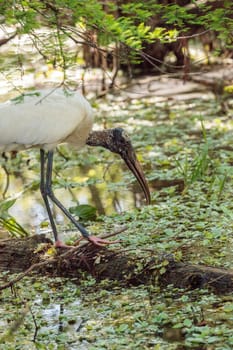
column 109, row 194
column 60, row 319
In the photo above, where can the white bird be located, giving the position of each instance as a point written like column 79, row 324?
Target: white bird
column 49, row 118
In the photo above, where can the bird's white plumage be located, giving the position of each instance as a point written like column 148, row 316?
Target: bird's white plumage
column 45, row 121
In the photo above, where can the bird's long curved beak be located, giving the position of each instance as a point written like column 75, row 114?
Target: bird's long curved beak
column 134, row 165
column 115, row 140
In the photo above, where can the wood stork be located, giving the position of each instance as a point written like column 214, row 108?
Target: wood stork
column 48, row 118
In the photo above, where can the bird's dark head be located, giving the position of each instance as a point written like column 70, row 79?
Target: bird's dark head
column 118, row 141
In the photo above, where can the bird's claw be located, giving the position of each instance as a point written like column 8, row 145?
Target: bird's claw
column 100, row 242
column 97, row 241
column 60, row 244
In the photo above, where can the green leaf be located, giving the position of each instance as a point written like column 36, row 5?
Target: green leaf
column 6, row 205
column 84, row 212
column 188, row 322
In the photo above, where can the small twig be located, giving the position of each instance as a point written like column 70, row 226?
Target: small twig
column 48, row 94
column 35, row 324
column 122, row 229
column 25, row 273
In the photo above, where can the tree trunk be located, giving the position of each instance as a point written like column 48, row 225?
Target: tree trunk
column 18, row 255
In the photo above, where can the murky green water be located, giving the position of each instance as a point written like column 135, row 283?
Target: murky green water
column 100, row 187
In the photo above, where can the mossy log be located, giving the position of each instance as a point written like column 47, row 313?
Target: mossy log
column 27, row 255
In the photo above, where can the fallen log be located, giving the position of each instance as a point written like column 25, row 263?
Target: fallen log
column 28, row 255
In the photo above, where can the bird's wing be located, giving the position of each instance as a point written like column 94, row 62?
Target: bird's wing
column 43, row 122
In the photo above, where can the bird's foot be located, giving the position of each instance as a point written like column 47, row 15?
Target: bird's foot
column 99, row 242
column 60, row 244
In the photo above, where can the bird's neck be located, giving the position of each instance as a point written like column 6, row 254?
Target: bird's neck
column 100, row 138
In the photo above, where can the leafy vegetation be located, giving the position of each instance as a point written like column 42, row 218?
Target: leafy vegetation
column 8, row 222
column 120, row 30
column 188, row 141
column 195, row 225
column 58, row 314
